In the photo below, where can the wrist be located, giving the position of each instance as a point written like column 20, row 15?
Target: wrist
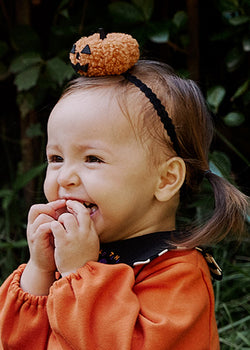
column 36, row 281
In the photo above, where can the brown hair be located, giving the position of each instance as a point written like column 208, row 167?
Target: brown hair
column 187, row 108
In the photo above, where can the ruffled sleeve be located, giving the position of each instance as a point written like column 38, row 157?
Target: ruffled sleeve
column 23, row 317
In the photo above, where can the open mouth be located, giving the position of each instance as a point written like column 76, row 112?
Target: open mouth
column 92, row 208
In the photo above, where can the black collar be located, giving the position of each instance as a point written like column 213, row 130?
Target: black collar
column 138, row 250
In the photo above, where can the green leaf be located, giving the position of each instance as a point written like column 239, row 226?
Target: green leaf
column 215, row 96
column 159, row 32
column 185, row 40
column 246, row 44
column 146, row 6
column 220, row 164
column 233, row 59
column 24, row 61
column 27, row 79
column 244, row 338
column 234, row 119
column 241, row 90
column 234, row 324
column 5, row 193
column 34, row 130
column 7, row 200
column 63, row 3
column 23, row 179
column 232, row 147
column 229, row 5
column 123, row 12
column 19, row 244
column 58, row 70
column 180, row 19
column 65, row 13
column 238, row 20
column 14, row 244
column 161, row 37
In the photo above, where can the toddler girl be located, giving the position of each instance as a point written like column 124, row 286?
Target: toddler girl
column 108, row 269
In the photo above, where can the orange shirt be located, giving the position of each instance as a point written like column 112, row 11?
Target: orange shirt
column 167, row 304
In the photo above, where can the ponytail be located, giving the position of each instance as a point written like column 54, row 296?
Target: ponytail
column 230, row 212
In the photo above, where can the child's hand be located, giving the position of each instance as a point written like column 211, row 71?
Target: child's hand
column 39, row 273
column 40, row 238
column 76, row 240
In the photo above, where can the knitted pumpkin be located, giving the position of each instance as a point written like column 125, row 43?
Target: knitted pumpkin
column 99, row 54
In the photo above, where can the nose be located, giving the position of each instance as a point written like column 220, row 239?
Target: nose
column 68, row 176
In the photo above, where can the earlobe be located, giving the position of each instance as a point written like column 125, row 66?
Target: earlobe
column 171, row 177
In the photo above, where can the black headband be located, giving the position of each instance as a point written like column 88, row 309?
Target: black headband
column 160, row 109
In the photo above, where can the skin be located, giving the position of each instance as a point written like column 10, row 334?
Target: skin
column 95, row 156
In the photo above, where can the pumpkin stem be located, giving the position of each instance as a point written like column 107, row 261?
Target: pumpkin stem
column 102, row 33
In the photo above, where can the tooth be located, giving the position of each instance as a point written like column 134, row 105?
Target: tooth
column 93, row 209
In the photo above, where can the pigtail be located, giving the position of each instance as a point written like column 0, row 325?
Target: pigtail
column 230, row 211
column 195, row 135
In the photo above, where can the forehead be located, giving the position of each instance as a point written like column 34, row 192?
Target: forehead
column 87, row 114
column 82, row 103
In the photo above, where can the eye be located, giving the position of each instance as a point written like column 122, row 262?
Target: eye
column 55, row 159
column 93, row 159
column 86, row 50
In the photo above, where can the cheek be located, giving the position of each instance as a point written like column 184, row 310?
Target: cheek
column 49, row 187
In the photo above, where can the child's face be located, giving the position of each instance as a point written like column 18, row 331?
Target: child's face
column 95, row 157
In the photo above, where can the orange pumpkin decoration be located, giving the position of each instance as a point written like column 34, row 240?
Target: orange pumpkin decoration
column 99, row 54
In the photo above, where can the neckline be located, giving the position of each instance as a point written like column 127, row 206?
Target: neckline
column 138, row 250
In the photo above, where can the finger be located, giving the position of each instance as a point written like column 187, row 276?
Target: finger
column 43, row 229
column 68, row 221
column 59, row 203
column 80, row 212
column 57, row 230
column 49, row 209
column 40, row 220
column 41, row 232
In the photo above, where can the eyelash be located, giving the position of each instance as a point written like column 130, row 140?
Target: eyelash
column 55, row 159
column 88, row 159
column 93, row 159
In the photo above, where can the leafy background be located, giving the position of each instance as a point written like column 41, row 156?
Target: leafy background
column 208, row 41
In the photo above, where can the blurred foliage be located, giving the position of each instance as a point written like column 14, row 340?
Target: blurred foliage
column 208, row 41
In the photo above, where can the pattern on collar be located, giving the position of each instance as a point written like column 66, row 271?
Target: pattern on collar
column 143, row 249
column 138, row 250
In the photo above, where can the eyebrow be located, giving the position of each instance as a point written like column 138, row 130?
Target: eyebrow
column 92, row 145
column 53, row 147
column 82, row 147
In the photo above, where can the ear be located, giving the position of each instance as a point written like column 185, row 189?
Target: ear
column 171, row 177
